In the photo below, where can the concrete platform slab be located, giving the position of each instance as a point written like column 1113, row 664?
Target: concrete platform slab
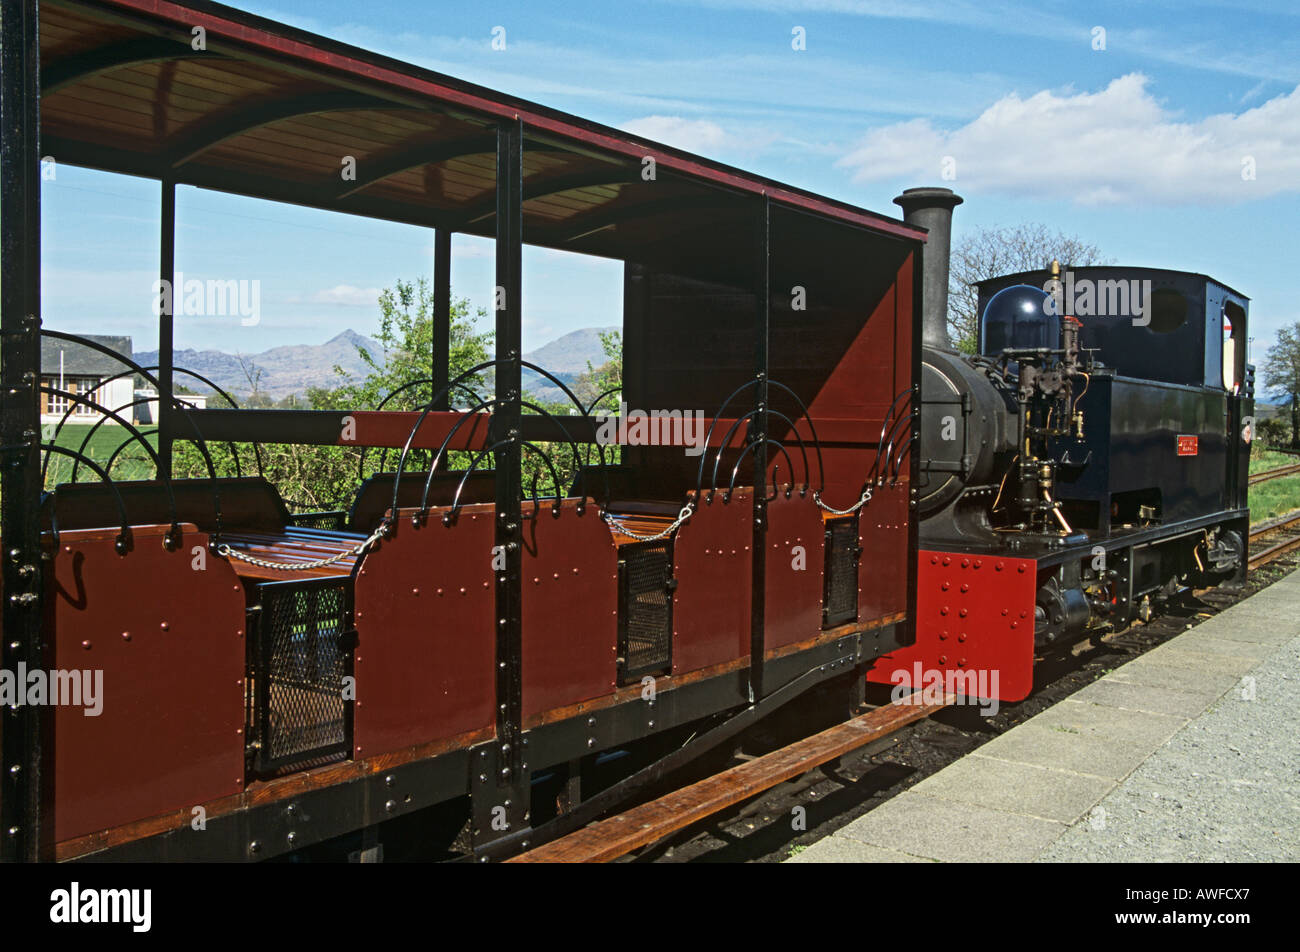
column 1077, row 752
column 1142, row 697
column 949, row 831
column 1188, row 658
column 1165, row 676
column 1214, row 643
column 1140, row 728
column 842, row 849
column 1045, row 792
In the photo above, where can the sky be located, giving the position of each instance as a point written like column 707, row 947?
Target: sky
column 1165, row 132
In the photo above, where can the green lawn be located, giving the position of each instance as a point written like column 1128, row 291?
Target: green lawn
column 1277, row 496
column 1261, row 460
column 131, row 463
column 1274, row 498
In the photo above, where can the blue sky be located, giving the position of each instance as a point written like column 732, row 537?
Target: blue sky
column 1140, row 148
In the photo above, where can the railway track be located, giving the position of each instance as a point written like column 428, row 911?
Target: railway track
column 1287, row 526
column 830, row 793
column 1289, row 470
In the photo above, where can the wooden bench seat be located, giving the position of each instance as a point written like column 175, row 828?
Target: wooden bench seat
column 643, row 516
column 292, row 545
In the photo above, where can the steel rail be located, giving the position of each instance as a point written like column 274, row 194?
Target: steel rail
column 650, row 822
column 1290, row 521
column 1268, row 474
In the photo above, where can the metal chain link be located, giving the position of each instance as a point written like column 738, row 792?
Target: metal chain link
column 358, row 549
column 866, row 498
column 682, row 516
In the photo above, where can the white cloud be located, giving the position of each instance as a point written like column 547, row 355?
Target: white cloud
column 1113, row 146
column 702, row 136
column 693, row 135
column 346, row 295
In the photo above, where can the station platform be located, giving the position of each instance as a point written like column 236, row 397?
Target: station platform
column 1185, row 754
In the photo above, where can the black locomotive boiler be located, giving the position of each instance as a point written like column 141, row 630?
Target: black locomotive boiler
column 1086, row 465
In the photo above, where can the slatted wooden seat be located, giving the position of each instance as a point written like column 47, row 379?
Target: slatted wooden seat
column 644, row 517
column 293, row 545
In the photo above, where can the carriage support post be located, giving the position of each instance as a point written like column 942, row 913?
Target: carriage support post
column 758, row 434
column 21, row 822
column 501, row 800
column 166, row 326
column 441, row 315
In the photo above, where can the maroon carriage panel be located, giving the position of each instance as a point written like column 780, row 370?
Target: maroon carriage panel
column 883, row 569
column 714, row 570
column 166, row 629
column 425, row 640
column 794, row 570
column 570, row 608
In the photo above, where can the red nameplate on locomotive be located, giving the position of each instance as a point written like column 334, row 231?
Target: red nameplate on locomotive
column 1187, row 445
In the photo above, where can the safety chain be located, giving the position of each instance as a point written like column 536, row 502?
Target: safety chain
column 665, row 533
column 866, row 498
column 358, row 549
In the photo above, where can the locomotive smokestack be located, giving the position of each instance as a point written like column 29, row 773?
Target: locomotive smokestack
column 931, row 209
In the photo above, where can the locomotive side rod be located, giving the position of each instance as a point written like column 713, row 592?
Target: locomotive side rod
column 650, row 822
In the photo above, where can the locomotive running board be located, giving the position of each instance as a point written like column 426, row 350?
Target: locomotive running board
column 645, row 824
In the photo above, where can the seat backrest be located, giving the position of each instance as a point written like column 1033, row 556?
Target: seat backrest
column 375, row 497
column 248, row 502
column 621, row 480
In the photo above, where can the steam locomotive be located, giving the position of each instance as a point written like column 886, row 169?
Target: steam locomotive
column 1088, row 464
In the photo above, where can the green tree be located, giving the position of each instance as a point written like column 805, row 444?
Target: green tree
column 990, row 252
column 601, row 389
column 1281, row 374
column 1271, row 432
column 600, row 381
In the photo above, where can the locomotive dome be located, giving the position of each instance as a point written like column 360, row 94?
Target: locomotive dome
column 1021, row 316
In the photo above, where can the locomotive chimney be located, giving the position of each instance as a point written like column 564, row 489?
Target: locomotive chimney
column 931, row 209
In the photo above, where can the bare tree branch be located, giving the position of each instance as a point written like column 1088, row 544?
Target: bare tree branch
column 989, row 252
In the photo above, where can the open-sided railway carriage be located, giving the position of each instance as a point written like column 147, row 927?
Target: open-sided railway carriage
column 455, row 637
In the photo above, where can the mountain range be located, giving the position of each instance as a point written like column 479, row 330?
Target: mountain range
column 292, row 369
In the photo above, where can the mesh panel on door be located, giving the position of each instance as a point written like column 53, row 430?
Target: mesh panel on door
column 645, row 609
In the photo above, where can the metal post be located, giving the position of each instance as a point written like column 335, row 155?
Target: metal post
column 758, row 433
column 441, row 313
column 506, row 426
column 919, row 305
column 20, row 487
column 166, row 336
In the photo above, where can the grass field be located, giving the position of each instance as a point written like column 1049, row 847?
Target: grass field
column 1261, row 460
column 1276, row 496
column 131, row 463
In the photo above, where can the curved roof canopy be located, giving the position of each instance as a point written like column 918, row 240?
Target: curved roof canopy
column 265, row 110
